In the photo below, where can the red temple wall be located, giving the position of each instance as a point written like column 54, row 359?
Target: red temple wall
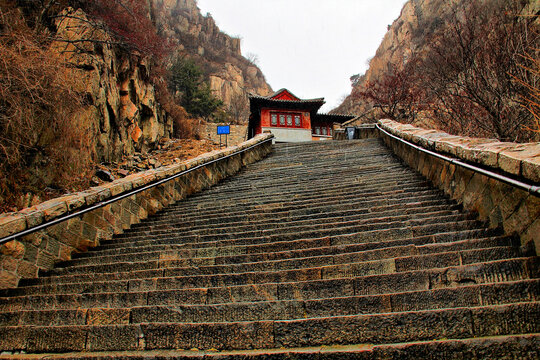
column 265, row 119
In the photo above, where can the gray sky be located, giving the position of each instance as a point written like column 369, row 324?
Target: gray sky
column 310, row 47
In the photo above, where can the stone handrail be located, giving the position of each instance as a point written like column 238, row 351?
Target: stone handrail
column 503, row 205
column 521, row 160
column 25, row 256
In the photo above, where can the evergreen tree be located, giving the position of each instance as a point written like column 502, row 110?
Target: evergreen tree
column 196, row 97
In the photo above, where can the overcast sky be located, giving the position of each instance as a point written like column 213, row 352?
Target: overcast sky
column 310, row 47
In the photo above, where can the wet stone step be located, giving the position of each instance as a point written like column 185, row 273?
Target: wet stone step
column 362, row 252
column 144, row 293
column 385, row 270
column 457, row 323
column 465, row 296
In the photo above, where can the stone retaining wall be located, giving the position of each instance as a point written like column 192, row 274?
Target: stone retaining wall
column 364, row 131
column 237, row 135
column 515, row 210
column 25, row 257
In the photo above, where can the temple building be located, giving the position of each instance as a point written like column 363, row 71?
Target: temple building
column 290, row 118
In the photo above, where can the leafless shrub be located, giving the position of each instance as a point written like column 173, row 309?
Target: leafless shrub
column 43, row 139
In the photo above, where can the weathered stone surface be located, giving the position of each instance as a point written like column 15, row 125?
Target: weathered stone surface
column 13, row 338
column 510, row 159
column 33, row 217
column 374, row 329
column 80, row 234
column 106, row 316
column 14, row 249
column 233, row 270
column 517, row 159
column 250, row 335
column 115, row 337
column 11, row 224
column 530, row 168
column 56, row 339
column 503, row 205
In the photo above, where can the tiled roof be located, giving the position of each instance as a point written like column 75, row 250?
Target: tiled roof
column 348, row 116
column 280, row 91
column 340, row 118
column 301, row 101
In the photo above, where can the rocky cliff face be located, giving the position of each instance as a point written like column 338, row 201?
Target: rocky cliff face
column 121, row 103
column 406, row 35
column 121, row 106
column 228, row 72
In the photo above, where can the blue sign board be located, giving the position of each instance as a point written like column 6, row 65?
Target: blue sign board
column 223, row 130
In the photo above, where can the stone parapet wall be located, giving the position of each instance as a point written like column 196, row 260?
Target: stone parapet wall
column 503, row 205
column 25, row 257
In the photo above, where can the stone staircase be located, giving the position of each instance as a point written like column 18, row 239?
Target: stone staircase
column 324, row 250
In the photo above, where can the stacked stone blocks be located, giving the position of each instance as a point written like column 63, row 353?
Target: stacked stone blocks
column 506, row 206
column 24, row 257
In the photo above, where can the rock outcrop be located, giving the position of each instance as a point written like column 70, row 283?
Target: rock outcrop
column 229, row 73
column 406, row 36
column 121, row 103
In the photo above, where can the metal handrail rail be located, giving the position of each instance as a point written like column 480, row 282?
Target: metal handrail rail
column 118, row 197
column 531, row 189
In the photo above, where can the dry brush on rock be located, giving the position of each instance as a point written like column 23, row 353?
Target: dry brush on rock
column 471, row 76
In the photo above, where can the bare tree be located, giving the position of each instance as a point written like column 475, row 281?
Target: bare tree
column 252, row 58
column 238, row 107
column 469, row 70
column 44, row 139
column 396, row 94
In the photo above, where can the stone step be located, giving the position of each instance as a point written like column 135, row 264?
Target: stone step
column 345, row 225
column 315, row 268
column 282, row 222
column 492, row 248
column 464, row 296
column 283, row 200
column 309, row 254
column 522, row 346
column 314, row 207
column 271, row 228
column 398, row 327
column 333, row 203
column 140, row 295
column 366, row 251
column 399, row 207
column 289, row 180
column 384, row 186
column 284, row 241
